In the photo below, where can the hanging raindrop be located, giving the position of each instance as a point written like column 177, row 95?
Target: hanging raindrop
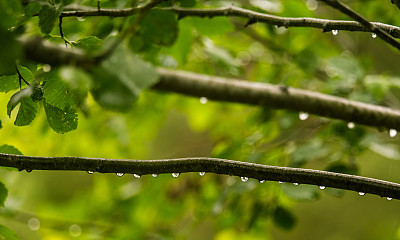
column 361, row 193
column 280, row 182
column 154, row 175
column 262, row 181
column 322, row 187
column 90, row 172
column 244, row 179
column 373, row 35
column 136, row 175
column 120, row 174
column 350, row 125
column 175, row 174
column 202, row 173
column 203, row 100
column 335, row 32
column 303, row 116
column 389, row 198
column 297, row 184
column 392, row 132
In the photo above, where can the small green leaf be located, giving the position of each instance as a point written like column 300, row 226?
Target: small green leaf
column 61, row 121
column 48, row 17
column 25, row 73
column 56, row 91
column 120, row 78
column 8, row 149
column 302, row 193
column 3, row 194
column 212, row 26
column 89, row 44
column 7, row 234
column 27, row 112
column 8, row 83
column 159, row 27
column 283, row 218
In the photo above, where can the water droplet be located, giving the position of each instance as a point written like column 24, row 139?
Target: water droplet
column 303, row 116
column 46, row 68
column 335, row 32
column 350, row 125
column 34, row 224
column 262, row 181
column 297, row 184
column 136, row 175
column 392, row 132
column 389, row 198
column 75, row 230
column 361, row 193
column 202, row 173
column 373, row 35
column 90, row 172
column 154, row 175
column 280, row 182
column 65, row 113
column 175, row 174
column 322, row 187
column 244, row 179
column 203, row 100
column 120, row 174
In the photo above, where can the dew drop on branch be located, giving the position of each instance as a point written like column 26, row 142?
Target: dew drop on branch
column 322, row 187
column 373, row 35
column 75, row 230
column 203, row 100
column 90, row 172
column 262, row 181
column 392, row 132
column 389, row 198
column 361, row 193
column 303, row 116
column 154, row 175
column 120, row 174
column 244, row 179
column 202, row 173
column 297, row 184
column 335, row 32
column 34, row 224
column 280, row 182
column 136, row 175
column 175, row 175
column 350, row 125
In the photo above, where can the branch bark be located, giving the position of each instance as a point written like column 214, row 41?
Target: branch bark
column 209, row 165
column 239, row 91
column 253, row 17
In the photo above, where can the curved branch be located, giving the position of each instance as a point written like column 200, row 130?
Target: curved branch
column 253, row 17
column 204, row 164
column 239, row 91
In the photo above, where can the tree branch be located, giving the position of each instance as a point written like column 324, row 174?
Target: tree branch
column 209, row 165
column 368, row 25
column 253, row 17
column 239, row 91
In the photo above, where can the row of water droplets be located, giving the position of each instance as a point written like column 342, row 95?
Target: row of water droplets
column 304, row 116
column 336, row 32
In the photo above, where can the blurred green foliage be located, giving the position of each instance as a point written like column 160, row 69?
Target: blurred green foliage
column 75, row 205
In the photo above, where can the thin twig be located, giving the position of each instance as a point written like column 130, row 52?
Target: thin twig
column 209, row 165
column 367, row 24
column 62, row 32
column 253, row 17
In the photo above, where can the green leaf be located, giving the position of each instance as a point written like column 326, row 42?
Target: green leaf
column 25, row 73
column 8, row 149
column 31, row 9
column 7, row 234
column 56, row 91
column 302, row 192
column 10, row 51
column 48, row 17
column 9, row 12
column 8, row 83
column 89, row 44
column 61, row 121
column 27, row 112
column 17, row 98
column 159, row 27
column 212, row 26
column 284, row 218
column 120, row 78
column 3, row 194
column 77, row 80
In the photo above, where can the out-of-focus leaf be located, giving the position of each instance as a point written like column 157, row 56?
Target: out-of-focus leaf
column 1, row 125
column 284, row 218
column 7, row 234
column 61, row 121
column 17, row 98
column 119, row 80
column 212, row 26
column 3, row 194
column 56, row 91
column 302, row 192
column 31, row 9
column 78, row 81
column 308, row 60
column 27, row 112
column 353, row 137
column 9, row 12
column 8, row 83
column 309, row 151
column 379, row 85
column 390, row 151
column 343, row 168
column 8, row 149
column 48, row 16
column 89, row 44
column 10, row 51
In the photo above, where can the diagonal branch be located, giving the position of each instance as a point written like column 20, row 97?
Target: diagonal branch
column 239, row 91
column 253, row 17
column 209, row 165
column 368, row 25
